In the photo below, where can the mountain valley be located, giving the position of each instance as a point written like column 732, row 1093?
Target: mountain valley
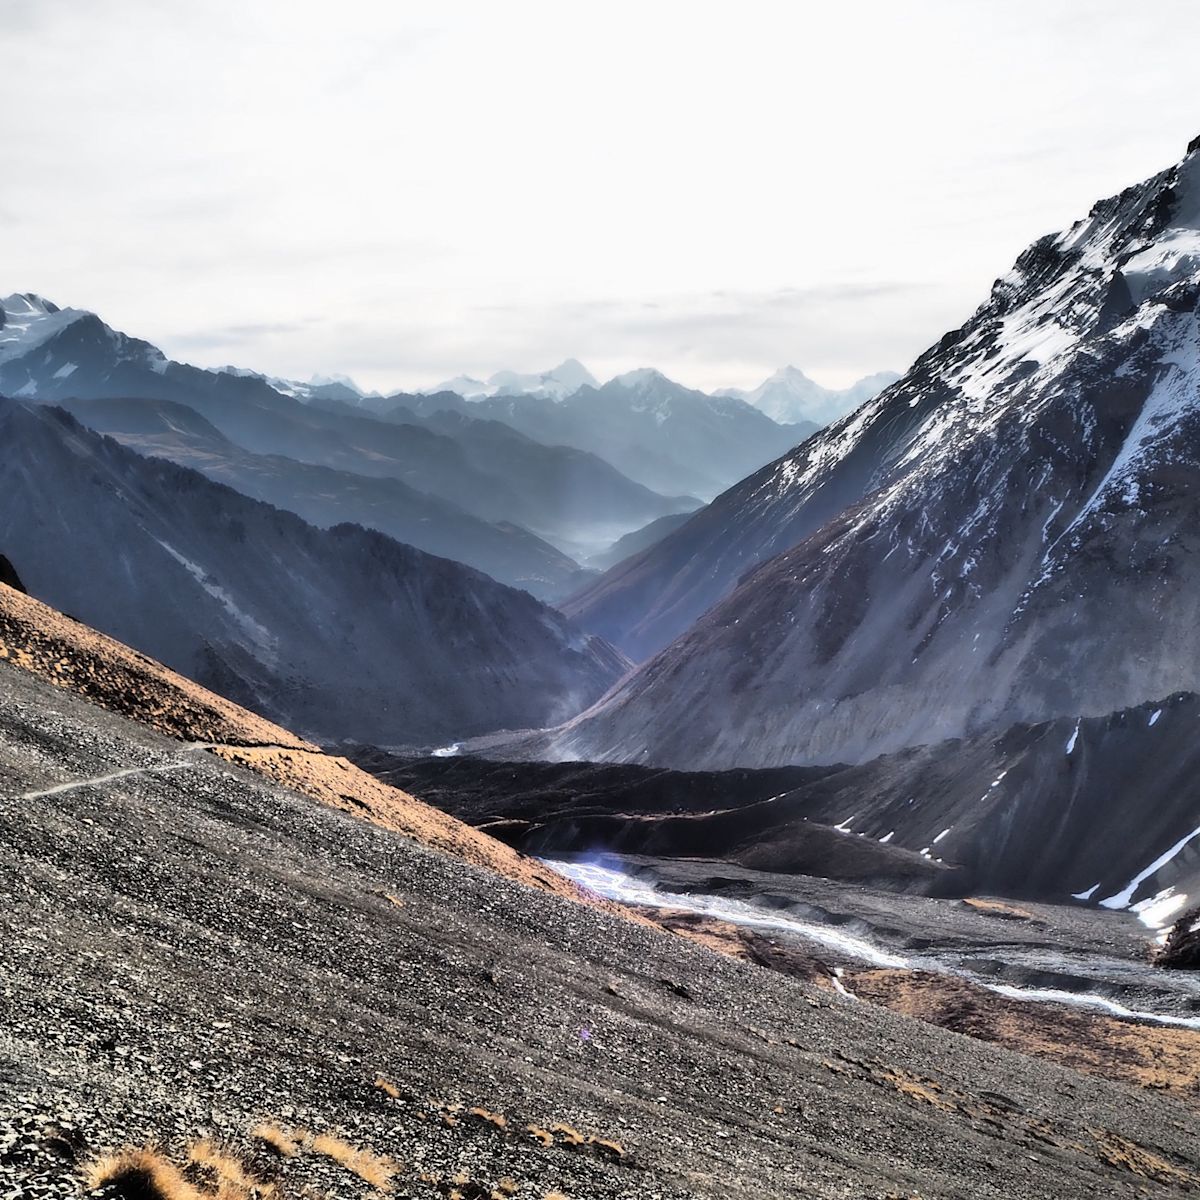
column 549, row 785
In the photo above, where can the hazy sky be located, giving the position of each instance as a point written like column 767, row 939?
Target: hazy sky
column 405, row 190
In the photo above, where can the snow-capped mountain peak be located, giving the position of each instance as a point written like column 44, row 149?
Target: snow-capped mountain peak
column 318, row 387
column 27, row 320
column 641, row 377
column 557, row 383
column 789, row 396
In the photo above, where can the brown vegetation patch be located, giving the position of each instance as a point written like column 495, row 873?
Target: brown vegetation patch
column 925, row 1091
column 282, row 1141
column 209, row 1173
column 998, row 908
column 1152, row 1056
column 737, row 941
column 370, row 1167
column 71, row 656
column 223, row 1176
column 1129, row 1156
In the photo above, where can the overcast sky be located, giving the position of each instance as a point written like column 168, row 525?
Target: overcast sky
column 403, row 191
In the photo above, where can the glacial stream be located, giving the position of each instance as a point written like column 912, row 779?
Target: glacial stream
column 608, row 881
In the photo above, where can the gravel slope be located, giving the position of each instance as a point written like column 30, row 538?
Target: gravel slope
column 188, row 952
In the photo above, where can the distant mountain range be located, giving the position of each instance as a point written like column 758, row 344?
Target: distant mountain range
column 489, row 471
column 791, row 398
column 558, row 383
column 326, row 496
column 344, row 632
column 519, row 483
column 669, row 438
column 573, row 463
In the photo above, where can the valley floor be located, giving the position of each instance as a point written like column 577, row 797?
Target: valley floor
column 189, row 953
column 1070, row 983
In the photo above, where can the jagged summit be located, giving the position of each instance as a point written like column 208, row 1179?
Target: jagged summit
column 642, row 377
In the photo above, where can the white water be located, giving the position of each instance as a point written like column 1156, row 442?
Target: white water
column 629, row 889
column 1087, row 1000
column 616, row 885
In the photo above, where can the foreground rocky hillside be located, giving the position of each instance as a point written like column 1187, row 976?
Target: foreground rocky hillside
column 332, row 632
column 267, row 988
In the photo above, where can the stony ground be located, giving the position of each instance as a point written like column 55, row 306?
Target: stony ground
column 191, row 950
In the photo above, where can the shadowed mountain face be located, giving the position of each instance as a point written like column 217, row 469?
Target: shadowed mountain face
column 332, row 631
column 1007, row 534
column 490, row 471
column 326, row 497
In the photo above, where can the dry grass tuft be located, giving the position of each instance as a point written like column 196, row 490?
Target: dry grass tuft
column 540, row 1135
column 606, row 1147
column 1129, row 1156
column 370, row 1167
column 491, row 1118
column 283, row 1141
column 387, row 1087
column 224, row 1176
column 139, row 1174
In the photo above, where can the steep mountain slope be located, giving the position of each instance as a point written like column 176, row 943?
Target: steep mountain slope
column 790, row 397
column 670, row 438
column 325, row 497
column 331, row 632
column 1007, row 534
column 51, row 354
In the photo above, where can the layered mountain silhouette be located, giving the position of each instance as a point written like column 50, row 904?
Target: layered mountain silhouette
column 670, row 438
column 337, row 631
column 490, row 471
column 326, row 496
column 1005, row 535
